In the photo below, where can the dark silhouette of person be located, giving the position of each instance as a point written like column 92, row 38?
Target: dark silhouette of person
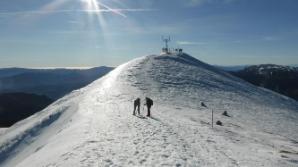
column 149, row 103
column 137, row 104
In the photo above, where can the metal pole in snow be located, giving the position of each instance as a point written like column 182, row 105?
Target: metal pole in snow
column 212, row 118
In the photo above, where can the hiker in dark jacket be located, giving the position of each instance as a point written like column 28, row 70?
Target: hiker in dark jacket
column 149, row 103
column 137, row 104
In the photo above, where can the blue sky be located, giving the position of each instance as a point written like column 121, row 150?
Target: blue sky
column 83, row 33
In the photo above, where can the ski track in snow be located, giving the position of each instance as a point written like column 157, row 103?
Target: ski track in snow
column 96, row 126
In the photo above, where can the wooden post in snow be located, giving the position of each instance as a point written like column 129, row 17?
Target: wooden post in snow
column 212, row 117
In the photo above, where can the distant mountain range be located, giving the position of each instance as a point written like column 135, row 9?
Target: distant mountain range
column 281, row 79
column 231, row 68
column 24, row 92
column 53, row 83
column 17, row 106
column 240, row 67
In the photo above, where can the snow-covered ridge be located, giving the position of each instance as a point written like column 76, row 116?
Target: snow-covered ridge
column 269, row 68
column 94, row 126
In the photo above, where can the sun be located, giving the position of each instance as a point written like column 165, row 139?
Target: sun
column 96, row 8
column 91, row 5
column 93, row 9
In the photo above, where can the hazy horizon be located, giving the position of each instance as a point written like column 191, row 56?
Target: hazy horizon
column 85, row 68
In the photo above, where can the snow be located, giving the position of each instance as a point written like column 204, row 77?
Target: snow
column 265, row 68
column 2, row 130
column 94, row 126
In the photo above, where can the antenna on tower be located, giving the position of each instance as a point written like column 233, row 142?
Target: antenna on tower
column 166, row 41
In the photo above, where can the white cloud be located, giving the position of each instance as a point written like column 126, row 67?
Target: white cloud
column 190, row 43
column 194, row 3
column 270, row 38
column 36, row 12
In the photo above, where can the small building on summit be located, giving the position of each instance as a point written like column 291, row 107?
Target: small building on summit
column 178, row 50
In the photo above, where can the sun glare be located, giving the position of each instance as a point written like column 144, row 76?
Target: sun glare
column 94, row 10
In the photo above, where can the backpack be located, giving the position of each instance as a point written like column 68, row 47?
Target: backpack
column 149, row 101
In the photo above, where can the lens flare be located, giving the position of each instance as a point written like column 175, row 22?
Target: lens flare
column 93, row 8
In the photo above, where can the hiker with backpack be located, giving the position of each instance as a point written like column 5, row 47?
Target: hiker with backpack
column 149, row 103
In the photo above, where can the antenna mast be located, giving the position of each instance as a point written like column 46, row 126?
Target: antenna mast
column 167, row 50
column 166, row 41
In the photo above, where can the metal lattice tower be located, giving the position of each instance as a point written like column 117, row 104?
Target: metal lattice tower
column 166, row 41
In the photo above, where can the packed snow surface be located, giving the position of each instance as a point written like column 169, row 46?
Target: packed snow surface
column 94, row 126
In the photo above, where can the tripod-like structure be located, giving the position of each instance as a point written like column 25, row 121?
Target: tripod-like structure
column 166, row 41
